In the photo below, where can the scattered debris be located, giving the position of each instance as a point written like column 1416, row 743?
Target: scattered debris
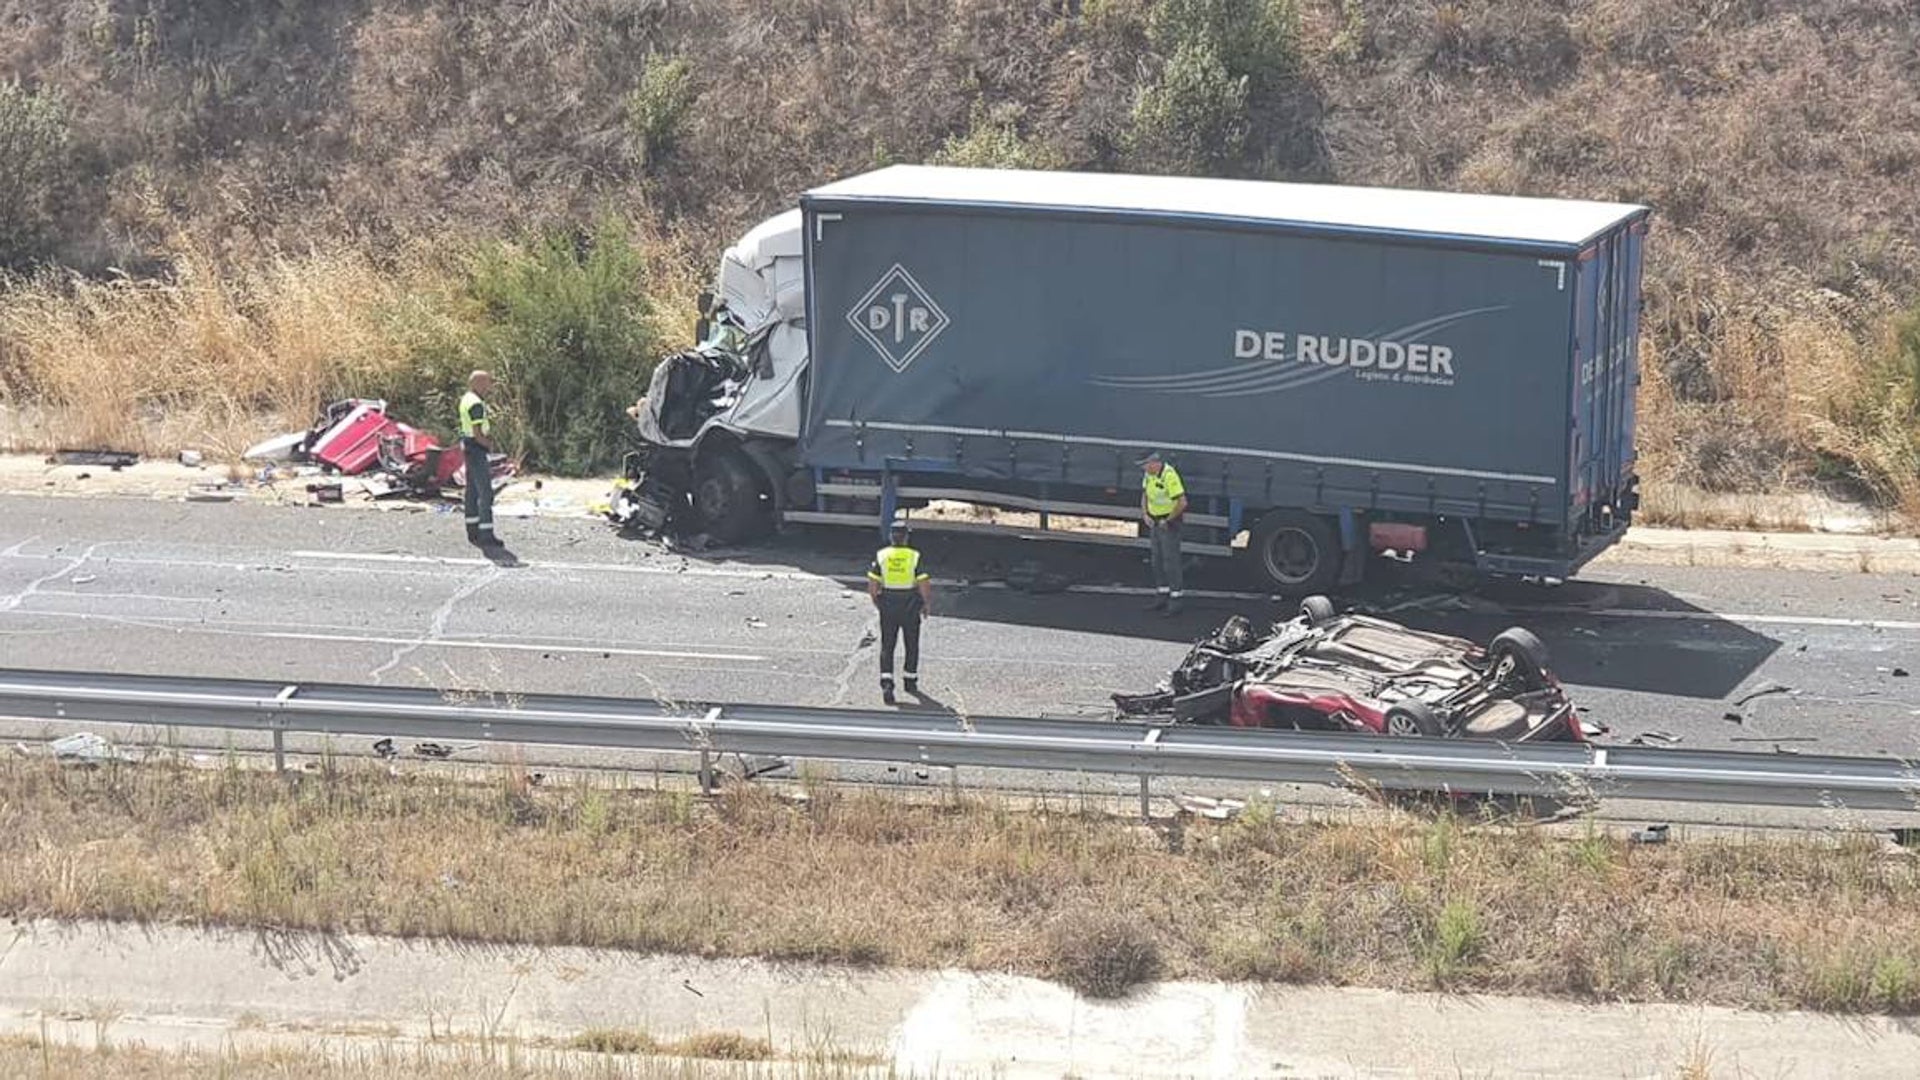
column 1593, row 729
column 112, row 459
column 87, row 748
column 286, row 447
column 867, row 638
column 754, row 623
column 1652, row 834
column 1208, row 807
column 384, row 748
column 753, row 766
column 82, row 579
column 209, row 495
column 687, row 985
column 20, row 750
column 1734, row 717
column 1646, row 738
column 1762, row 691
column 433, row 750
column 1899, row 673
column 191, row 458
column 356, row 437
column 327, row 493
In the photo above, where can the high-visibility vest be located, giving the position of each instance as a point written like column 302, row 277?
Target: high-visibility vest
column 1163, row 491
column 473, row 416
column 897, row 568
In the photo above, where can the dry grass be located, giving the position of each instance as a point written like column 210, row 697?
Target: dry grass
column 861, row 879
column 709, row 1046
column 207, row 358
column 47, row 1059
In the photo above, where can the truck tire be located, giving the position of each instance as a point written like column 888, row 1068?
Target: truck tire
column 1294, row 552
column 729, row 500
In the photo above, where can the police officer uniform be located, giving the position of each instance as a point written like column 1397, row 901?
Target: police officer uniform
column 474, row 426
column 900, row 587
column 1162, row 498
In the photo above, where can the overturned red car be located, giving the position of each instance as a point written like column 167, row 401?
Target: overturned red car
column 1325, row 671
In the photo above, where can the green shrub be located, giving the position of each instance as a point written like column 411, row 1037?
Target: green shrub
column 1194, row 118
column 564, row 325
column 35, row 171
column 993, row 141
column 657, row 109
column 1257, row 40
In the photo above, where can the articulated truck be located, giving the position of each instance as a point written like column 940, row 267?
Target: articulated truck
column 1334, row 371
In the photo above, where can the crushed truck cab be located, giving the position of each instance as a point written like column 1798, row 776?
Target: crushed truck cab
column 1336, row 372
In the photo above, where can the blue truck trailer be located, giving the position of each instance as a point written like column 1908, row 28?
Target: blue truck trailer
column 1334, row 371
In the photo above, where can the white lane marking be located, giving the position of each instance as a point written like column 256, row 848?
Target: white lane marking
column 197, row 626
column 1715, row 616
column 1897, row 625
column 44, row 593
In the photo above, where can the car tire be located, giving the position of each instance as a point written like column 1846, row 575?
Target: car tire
column 1413, row 718
column 1317, row 610
column 1528, row 653
column 729, row 500
column 1294, row 553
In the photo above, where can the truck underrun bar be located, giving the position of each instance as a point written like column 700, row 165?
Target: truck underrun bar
column 1145, row 750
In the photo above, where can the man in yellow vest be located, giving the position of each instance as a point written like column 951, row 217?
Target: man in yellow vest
column 903, row 592
column 1163, row 503
column 476, row 442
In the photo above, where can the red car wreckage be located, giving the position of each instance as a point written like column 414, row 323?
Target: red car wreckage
column 1324, row 671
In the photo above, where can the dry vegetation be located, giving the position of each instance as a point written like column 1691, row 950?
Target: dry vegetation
column 50, row 1059
column 1072, row 896
column 250, row 158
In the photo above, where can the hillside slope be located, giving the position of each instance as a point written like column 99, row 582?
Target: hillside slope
column 1778, row 141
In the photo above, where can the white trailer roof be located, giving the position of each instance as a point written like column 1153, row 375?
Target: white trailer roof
column 1437, row 214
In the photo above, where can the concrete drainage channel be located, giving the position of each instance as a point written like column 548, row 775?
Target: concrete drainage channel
column 1559, row 771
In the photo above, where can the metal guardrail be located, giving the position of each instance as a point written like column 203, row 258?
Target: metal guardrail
column 1137, row 749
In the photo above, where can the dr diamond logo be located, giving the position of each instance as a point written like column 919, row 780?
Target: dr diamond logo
column 898, row 318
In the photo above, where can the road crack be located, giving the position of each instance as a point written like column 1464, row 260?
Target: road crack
column 9, row 603
column 437, row 626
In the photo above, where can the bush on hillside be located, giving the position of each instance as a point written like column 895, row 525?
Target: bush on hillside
column 1257, row 40
column 35, row 170
column 1194, row 119
column 565, row 327
column 657, row 109
column 993, row 141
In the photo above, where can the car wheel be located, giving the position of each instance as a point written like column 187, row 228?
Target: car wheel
column 1317, row 610
column 1294, row 552
column 1413, row 718
column 1526, row 653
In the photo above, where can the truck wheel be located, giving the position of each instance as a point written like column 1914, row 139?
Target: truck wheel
column 728, row 500
column 1294, row 552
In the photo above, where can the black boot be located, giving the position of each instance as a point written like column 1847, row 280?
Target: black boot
column 913, row 687
column 886, row 694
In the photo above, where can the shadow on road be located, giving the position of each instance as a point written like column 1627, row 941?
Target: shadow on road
column 1620, row 636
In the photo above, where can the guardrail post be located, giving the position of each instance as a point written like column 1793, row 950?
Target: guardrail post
column 1146, row 797
column 706, row 772
column 279, row 722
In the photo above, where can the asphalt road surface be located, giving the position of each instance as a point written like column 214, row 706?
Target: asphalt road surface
column 1717, row 658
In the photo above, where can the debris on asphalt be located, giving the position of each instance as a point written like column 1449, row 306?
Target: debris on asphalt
column 756, row 623
column 1734, row 717
column 327, row 493
column 1899, row 673
column 356, row 437
column 82, row 579
column 1665, row 738
column 112, row 459
column 1763, row 690
column 384, row 748
column 440, row 750
column 1652, row 834
column 191, row 458
column 209, row 494
column 1208, row 807
column 1593, row 729
column 754, row 766
column 86, row 748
